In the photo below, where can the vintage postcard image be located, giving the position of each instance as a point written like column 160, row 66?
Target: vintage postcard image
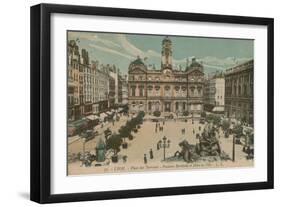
column 142, row 103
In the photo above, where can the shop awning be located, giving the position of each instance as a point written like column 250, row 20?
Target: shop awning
column 103, row 115
column 92, row 117
column 109, row 113
column 218, row 109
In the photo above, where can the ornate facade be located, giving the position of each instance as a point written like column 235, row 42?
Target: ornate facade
column 239, row 92
column 166, row 90
column 75, row 82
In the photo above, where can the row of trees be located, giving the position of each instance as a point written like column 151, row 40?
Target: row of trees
column 115, row 141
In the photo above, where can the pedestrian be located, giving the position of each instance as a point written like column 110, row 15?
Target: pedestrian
column 144, row 159
column 124, row 158
column 151, row 154
column 193, row 131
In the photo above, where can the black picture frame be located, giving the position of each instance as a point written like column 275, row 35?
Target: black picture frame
column 41, row 102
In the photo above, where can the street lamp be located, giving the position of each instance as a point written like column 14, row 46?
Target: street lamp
column 164, row 143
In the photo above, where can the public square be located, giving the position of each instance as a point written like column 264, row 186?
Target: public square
column 146, row 139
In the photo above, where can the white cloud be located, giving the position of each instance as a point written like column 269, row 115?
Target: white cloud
column 93, row 37
column 129, row 47
column 104, row 49
column 121, row 46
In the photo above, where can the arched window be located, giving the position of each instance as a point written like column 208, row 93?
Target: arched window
column 239, row 90
column 133, row 90
column 183, row 106
column 157, row 106
column 141, row 89
column 167, row 88
column 199, row 88
column 245, row 90
column 149, row 106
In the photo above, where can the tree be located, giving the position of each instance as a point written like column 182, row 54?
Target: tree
column 141, row 114
column 238, row 130
column 124, row 132
column 114, row 142
column 214, row 118
column 225, row 125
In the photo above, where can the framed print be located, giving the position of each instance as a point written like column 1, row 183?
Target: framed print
column 133, row 103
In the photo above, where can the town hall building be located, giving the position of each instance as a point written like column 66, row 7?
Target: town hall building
column 168, row 90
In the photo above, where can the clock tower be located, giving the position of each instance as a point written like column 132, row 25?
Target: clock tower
column 166, row 60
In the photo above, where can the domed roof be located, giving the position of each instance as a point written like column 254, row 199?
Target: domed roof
column 138, row 61
column 195, row 64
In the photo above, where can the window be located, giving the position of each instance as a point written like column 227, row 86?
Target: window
column 192, row 88
column 177, row 106
column 157, row 88
column 199, row 90
column 167, row 88
column 133, row 90
column 245, row 90
column 149, row 106
column 157, row 107
column 239, row 90
column 141, row 90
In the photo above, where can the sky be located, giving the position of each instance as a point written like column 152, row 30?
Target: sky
column 216, row 54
